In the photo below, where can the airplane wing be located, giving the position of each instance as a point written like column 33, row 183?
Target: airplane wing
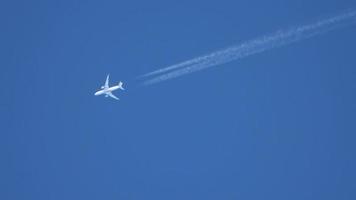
column 107, row 81
column 113, row 96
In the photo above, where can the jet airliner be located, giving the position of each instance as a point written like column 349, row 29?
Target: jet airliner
column 107, row 90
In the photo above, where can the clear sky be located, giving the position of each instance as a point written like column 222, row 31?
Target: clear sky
column 277, row 125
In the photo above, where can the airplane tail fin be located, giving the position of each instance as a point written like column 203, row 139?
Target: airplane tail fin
column 120, row 86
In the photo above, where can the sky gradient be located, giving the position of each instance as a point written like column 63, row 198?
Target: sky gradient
column 276, row 125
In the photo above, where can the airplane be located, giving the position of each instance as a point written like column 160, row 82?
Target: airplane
column 105, row 89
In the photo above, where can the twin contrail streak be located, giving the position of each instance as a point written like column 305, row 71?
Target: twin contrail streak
column 258, row 45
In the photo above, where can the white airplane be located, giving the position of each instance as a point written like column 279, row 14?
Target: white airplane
column 105, row 89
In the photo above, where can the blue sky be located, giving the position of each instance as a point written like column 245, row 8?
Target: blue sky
column 277, row 125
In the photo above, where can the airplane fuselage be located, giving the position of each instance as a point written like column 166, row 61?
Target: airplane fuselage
column 106, row 90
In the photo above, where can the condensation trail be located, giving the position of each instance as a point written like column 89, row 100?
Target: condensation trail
column 277, row 39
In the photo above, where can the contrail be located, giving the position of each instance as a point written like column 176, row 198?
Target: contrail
column 258, row 45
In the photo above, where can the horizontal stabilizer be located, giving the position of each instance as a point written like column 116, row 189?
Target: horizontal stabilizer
column 120, row 86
